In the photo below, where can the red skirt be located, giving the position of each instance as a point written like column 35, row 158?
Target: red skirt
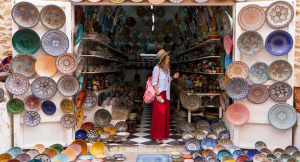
column 160, row 118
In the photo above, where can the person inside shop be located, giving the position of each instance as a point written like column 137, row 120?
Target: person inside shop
column 161, row 82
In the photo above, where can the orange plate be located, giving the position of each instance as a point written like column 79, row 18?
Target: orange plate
column 99, row 129
column 71, row 153
column 82, row 143
column 45, row 66
column 5, row 157
column 39, row 147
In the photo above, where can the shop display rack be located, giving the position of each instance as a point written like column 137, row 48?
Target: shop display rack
column 102, row 72
column 202, row 58
column 210, row 41
column 101, row 58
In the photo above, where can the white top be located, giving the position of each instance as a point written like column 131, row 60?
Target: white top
column 164, row 82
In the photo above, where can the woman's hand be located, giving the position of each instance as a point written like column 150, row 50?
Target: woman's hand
column 176, row 75
column 159, row 99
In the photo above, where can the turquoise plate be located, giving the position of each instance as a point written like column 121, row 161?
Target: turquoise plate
column 26, row 41
column 79, row 33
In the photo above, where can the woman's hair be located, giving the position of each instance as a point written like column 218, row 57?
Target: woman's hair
column 164, row 64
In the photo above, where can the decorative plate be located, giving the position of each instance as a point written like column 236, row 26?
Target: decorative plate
column 280, row 70
column 284, row 157
column 43, row 88
column 48, row 107
column 92, row 135
column 222, row 81
column 280, row 91
column 204, row 129
column 55, row 42
column 23, row 157
column 32, row 103
column 233, row 148
column 192, row 145
column 258, row 94
column 227, row 44
column 146, row 30
column 279, row 14
column 160, row 12
column 259, row 157
column 217, row 148
column 237, row 153
column 282, row 116
column 5, row 157
column 45, row 66
column 51, row 152
column 202, row 123
column 217, row 124
column 26, row 41
column 67, row 106
column 141, row 11
column 68, row 86
column 210, row 154
column 117, row 1
column 208, row 143
column 206, row 101
column 291, row 150
column 156, row 2
column 80, row 67
column 58, row 147
column 43, row 157
column 25, row 14
column 135, row 39
column 227, row 23
column 79, row 33
column 223, row 153
column 81, row 97
column 258, row 73
column 278, row 152
column 251, row 17
column 66, row 63
column 219, row 129
column 188, row 135
column 216, row 101
column 5, row 64
column 200, row 135
column 91, row 100
column 226, row 142
column 237, row 88
column 192, row 102
column 279, row 43
column 126, row 39
column 14, row 151
column 201, row 1
column 187, row 127
column 15, row 106
column 87, row 125
column 176, row 1
column 1, row 94
column 228, row 61
column 296, row 155
column 68, row 120
column 224, row 134
column 266, row 151
column 259, row 145
column 32, row 118
column 79, row 114
column 237, row 114
column 52, row 17
column 250, row 43
column 23, row 64
column 17, row 84
column 143, row 39
column 121, row 126
column 238, row 69
column 212, row 135
column 102, row 117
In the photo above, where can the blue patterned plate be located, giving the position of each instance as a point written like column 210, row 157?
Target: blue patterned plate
column 23, row 64
column 237, row 88
column 258, row 73
column 259, row 145
column 237, row 153
column 279, row 43
column 25, row 14
column 79, row 33
column 187, row 135
column 233, row 148
column 280, row 91
column 17, row 84
column 91, row 100
column 224, row 134
column 26, row 41
column 48, row 107
column 228, row 61
column 14, row 151
column 282, row 116
column 222, row 153
column 251, row 153
column 192, row 145
column 55, row 42
column 192, row 102
column 208, row 143
column 199, row 135
column 52, row 17
column 250, row 43
column 68, row 85
column 279, row 14
column 291, row 150
column 32, row 118
column 185, row 126
column 280, row 70
column 43, row 88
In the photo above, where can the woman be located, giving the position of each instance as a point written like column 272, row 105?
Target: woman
column 161, row 81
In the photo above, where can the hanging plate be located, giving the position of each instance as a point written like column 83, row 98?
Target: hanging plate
column 52, row 17
column 279, row 14
column 79, row 33
column 17, row 84
column 68, row 85
column 45, row 66
column 227, row 44
column 23, row 64
column 91, row 100
column 66, row 63
column 227, row 23
column 258, row 73
column 238, row 69
column 280, row 70
column 48, row 107
column 156, row 2
column 250, row 43
column 32, row 103
column 280, row 91
column 279, row 43
column 258, row 94
column 25, row 14
column 67, row 106
column 32, row 118
column 282, row 116
column 237, row 88
column 68, row 120
column 192, row 102
column 228, row 61
column 26, row 41
column 102, row 117
column 43, row 88
column 79, row 114
column 15, row 106
column 55, row 42
column 251, row 17
column 237, row 114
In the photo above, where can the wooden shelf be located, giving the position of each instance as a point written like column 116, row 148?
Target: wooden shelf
column 202, row 58
column 199, row 94
column 210, row 41
column 197, row 72
column 101, row 58
column 102, row 72
column 103, row 44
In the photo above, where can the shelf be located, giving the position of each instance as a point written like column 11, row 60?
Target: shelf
column 137, row 70
column 197, row 72
column 100, row 58
column 102, row 72
column 103, row 44
column 106, row 90
column 199, row 94
column 210, row 41
column 142, row 62
column 202, row 58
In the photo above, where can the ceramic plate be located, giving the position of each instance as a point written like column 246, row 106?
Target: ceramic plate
column 66, row 63
column 279, row 14
column 222, row 102
column 78, row 50
column 32, row 103
column 192, row 144
column 23, row 64
column 156, row 2
column 5, row 64
column 280, row 91
column 15, row 106
column 199, row 135
column 141, row 11
column 52, row 17
column 250, row 43
column 279, row 43
column 55, row 42
column 43, row 88
column 43, row 157
column 187, row 127
column 251, row 17
column 121, row 126
column 228, row 61
column 22, row 157
column 208, row 143
column 282, row 116
column 206, row 101
column 17, row 84
column 48, row 107
column 202, row 123
column 26, row 41
column 227, row 44
column 79, row 33
column 32, row 118
column 237, row 69
column 68, row 120
column 117, row 1
column 68, row 86
column 280, row 70
column 258, row 94
column 216, row 101
column 237, row 114
column 291, row 150
column 80, row 67
column 145, row 30
column 91, row 100
column 45, row 66
column 102, row 117
column 224, row 134
column 259, row 145
column 67, row 106
column 79, row 114
column 192, row 102
column 25, row 14
column 227, row 23
column 237, row 88
column 188, row 135
column 258, row 73
column 222, row 81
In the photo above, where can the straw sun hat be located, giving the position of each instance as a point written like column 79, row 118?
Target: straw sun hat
column 161, row 54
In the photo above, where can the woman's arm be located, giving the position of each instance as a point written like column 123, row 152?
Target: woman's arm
column 157, row 93
column 155, row 78
column 176, row 75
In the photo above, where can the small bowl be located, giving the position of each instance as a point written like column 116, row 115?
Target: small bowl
column 123, row 135
column 118, row 155
column 80, row 134
column 175, row 153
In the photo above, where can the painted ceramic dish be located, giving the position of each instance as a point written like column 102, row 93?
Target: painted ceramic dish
column 223, row 153
column 251, row 17
column 258, row 94
column 238, row 69
column 22, row 157
column 206, row 101
column 145, row 30
column 80, row 67
column 204, row 129
column 208, row 143
column 67, row 106
column 237, row 114
column 32, row 103
column 63, row 157
column 117, row 1
column 199, row 135
column 279, row 43
column 284, row 157
column 121, row 126
column 282, row 116
column 81, row 97
column 227, row 23
column 26, row 41
column 250, row 43
column 192, row 145
column 258, row 73
column 192, row 102
column 43, row 157
column 202, row 123
column 79, row 114
column 156, row 2
column 17, row 84
column 237, row 88
column 259, row 157
column 5, row 157
column 45, row 66
column 91, row 100
column 237, row 153
column 32, row 118
column 266, row 151
column 79, row 34
column 68, row 86
column 228, row 61
column 58, row 147
column 243, row 158
column 66, row 63
column 97, row 148
column 51, row 152
column 280, row 70
column 102, row 117
column 216, row 101
column 43, row 88
column 141, row 11
column 279, row 14
column 25, row 14
column 15, row 106
column 226, row 142
column 5, row 64
column 224, row 134
column 222, row 102
column 291, row 150
column 14, row 151
column 260, row 144
column 23, row 64
column 52, row 17
column 212, row 135
column 217, row 148
column 227, row 44
column 280, row 91
column 188, row 135
column 233, row 148
column 48, row 107
column 55, row 42
column 68, row 120
column 296, row 155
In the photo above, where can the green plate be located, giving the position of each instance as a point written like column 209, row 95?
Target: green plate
column 58, row 147
column 26, row 41
column 223, row 60
column 15, row 106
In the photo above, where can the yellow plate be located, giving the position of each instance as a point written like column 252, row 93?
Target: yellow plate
column 71, row 153
column 111, row 129
column 51, row 152
column 67, row 106
column 97, row 149
column 205, row 151
column 99, row 129
column 102, row 156
column 5, row 157
column 79, row 114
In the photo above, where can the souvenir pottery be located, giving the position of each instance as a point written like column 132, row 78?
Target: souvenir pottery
column 17, row 84
column 259, row 145
column 80, row 67
column 43, row 88
column 224, row 134
column 42, row 157
column 141, row 11
column 26, row 41
column 79, row 114
column 25, row 14
column 279, row 43
column 66, row 63
column 58, row 147
column 45, row 66
column 121, row 126
column 55, row 42
column 23, row 64
column 32, row 118
column 238, row 69
column 258, row 94
column 145, row 30
column 32, row 103
column 291, row 150
column 91, row 100
column 79, row 34
column 250, row 43
column 237, row 114
column 76, row 147
column 258, row 73
column 227, row 23
column 5, row 157
column 68, row 120
column 192, row 102
column 208, row 143
column 227, row 44
column 251, row 17
column 280, row 91
column 103, row 119
column 237, row 88
column 63, row 157
column 188, row 135
column 226, row 142
column 199, row 135
column 15, row 106
column 67, row 106
column 192, row 145
column 48, row 107
column 68, row 86
column 187, row 127
column 282, row 116
column 52, row 17
column 5, row 64
column 279, row 14
column 156, row 2
column 23, row 157
column 266, row 151
column 280, row 70
column 32, row 153
column 97, row 148
column 228, row 61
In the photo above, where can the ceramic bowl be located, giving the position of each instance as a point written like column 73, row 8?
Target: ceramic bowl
column 81, row 134
column 251, row 153
column 123, row 135
column 279, row 43
column 62, row 157
column 97, row 148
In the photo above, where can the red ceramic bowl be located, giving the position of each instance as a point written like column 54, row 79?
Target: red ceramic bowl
column 242, row 158
column 87, row 125
column 237, row 114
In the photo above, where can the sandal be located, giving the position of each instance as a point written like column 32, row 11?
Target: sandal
column 159, row 141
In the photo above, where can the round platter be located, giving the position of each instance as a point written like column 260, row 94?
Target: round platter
column 45, row 66
column 250, row 43
column 121, row 126
column 227, row 44
column 80, row 67
column 17, row 84
column 43, row 88
column 66, row 63
column 91, row 100
column 237, row 88
column 22, row 157
column 280, row 91
column 55, row 42
column 15, row 106
column 258, row 94
column 208, row 143
column 79, row 33
column 48, row 107
column 52, row 17
column 67, row 106
column 280, row 70
column 238, row 69
column 79, row 114
column 32, row 118
column 227, row 23
column 23, row 64
column 32, row 103
column 282, row 116
column 68, row 85
column 25, row 14
column 279, row 14
column 279, row 43
column 192, row 102
column 68, row 120
column 102, row 117
column 258, row 73
column 251, row 17
column 26, row 41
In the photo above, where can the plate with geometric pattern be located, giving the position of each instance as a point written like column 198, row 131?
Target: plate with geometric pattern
column 15, row 106
column 68, row 85
column 25, row 14
column 55, row 42
column 68, row 120
column 282, row 116
column 258, row 73
column 17, row 84
column 279, row 14
column 102, row 117
column 91, row 100
column 192, row 102
column 32, row 118
column 43, row 88
column 280, row 70
column 67, row 106
column 227, row 23
column 52, row 17
column 252, row 17
column 66, row 63
column 238, row 69
column 23, row 64
column 280, row 91
column 258, row 94
column 250, row 43
column 237, row 88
